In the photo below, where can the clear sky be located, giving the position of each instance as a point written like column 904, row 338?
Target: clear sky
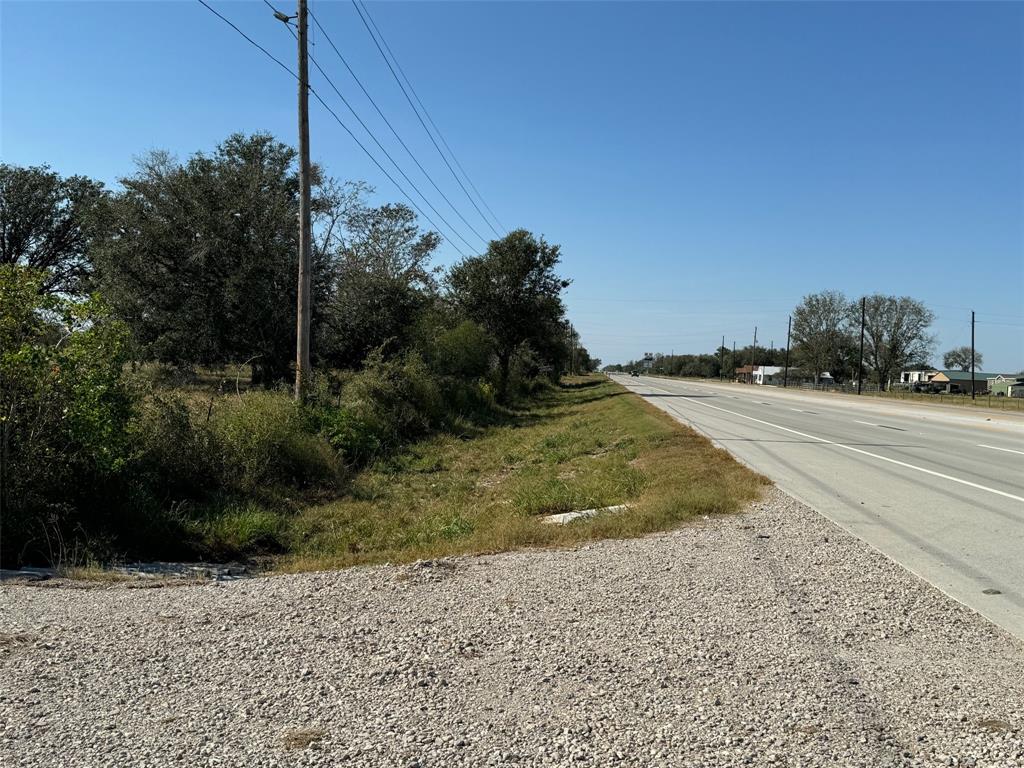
column 703, row 165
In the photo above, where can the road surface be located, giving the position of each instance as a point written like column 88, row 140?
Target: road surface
column 942, row 493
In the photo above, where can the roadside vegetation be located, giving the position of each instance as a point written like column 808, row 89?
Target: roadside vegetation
column 584, row 444
column 147, row 339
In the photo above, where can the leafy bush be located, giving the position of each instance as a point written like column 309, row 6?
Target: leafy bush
column 263, row 438
column 355, row 440
column 64, row 409
column 465, row 351
column 175, row 459
column 385, row 404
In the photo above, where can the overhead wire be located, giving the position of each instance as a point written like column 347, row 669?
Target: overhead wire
column 398, row 80
column 379, row 145
column 333, row 114
column 398, row 137
column 431, row 120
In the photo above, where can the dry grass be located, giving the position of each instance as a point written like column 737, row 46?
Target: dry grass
column 93, row 574
column 588, row 444
column 14, row 639
column 302, row 737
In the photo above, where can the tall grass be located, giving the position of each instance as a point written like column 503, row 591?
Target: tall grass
column 576, row 448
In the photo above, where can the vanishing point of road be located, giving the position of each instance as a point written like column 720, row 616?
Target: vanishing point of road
column 940, row 492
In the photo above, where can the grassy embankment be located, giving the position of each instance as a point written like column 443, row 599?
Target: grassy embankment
column 587, row 444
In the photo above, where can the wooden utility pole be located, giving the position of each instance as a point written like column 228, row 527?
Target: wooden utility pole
column 972, row 354
column 785, row 372
column 721, row 367
column 860, row 365
column 304, row 308
column 572, row 338
column 753, row 351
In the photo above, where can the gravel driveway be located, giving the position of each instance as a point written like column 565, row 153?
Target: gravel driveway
column 768, row 638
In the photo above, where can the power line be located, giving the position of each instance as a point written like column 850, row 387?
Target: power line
column 382, row 169
column 387, row 122
column 381, row 147
column 431, row 121
column 337, row 119
column 231, row 24
column 414, row 109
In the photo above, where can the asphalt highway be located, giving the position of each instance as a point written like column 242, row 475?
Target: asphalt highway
column 939, row 491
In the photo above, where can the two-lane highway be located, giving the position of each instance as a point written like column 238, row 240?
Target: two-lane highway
column 940, row 493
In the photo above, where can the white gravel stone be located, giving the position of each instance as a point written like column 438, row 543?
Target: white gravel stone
column 770, row 638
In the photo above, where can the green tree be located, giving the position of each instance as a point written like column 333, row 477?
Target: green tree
column 960, row 358
column 513, row 291
column 47, row 223
column 201, row 262
column 822, row 336
column 381, row 282
column 896, row 332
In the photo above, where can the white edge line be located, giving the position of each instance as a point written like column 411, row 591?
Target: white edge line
column 997, row 448
column 931, row 472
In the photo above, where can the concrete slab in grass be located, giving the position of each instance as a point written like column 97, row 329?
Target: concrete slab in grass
column 568, row 517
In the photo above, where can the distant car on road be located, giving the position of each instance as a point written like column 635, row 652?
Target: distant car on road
column 634, row 373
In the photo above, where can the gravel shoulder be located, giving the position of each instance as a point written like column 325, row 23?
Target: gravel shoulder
column 770, row 637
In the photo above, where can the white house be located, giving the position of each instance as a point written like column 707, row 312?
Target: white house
column 767, row 374
column 916, row 377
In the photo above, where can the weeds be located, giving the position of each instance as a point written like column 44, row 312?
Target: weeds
column 579, row 447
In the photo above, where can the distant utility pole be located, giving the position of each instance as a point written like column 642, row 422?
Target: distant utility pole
column 733, row 359
column 860, row 365
column 972, row 354
column 572, row 349
column 304, row 308
column 575, row 339
column 753, row 351
column 785, row 372
column 721, row 367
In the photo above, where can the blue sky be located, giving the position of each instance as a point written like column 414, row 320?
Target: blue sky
column 702, row 165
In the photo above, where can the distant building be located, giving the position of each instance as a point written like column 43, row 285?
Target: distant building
column 1005, row 385
column 759, row 374
column 917, row 377
column 768, row 374
column 957, row 382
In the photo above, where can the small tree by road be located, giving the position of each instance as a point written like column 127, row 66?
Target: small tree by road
column 513, row 291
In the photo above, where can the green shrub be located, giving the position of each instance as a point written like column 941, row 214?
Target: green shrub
column 355, row 441
column 464, row 352
column 389, row 402
column 264, row 439
column 64, row 409
column 175, row 458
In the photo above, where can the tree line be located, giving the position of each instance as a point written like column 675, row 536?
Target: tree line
column 826, row 338
column 198, row 259
column 190, row 267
